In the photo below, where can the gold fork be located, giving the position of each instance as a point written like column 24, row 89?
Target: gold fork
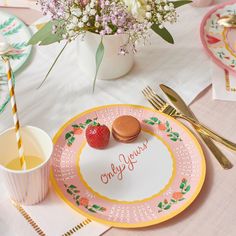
column 159, row 104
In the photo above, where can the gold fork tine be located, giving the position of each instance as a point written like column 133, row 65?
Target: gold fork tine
column 153, row 103
column 151, row 95
column 151, row 100
column 156, row 95
column 147, row 97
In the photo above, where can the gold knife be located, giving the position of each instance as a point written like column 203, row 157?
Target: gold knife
column 180, row 105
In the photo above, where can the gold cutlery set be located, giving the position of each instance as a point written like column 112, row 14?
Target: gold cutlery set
column 228, row 21
column 183, row 112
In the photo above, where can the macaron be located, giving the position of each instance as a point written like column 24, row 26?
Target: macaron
column 126, row 129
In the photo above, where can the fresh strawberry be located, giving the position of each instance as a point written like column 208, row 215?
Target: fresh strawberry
column 97, row 136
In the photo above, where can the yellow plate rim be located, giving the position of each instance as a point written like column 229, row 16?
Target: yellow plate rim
column 143, row 224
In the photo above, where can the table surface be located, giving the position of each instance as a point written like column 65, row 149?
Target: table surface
column 214, row 210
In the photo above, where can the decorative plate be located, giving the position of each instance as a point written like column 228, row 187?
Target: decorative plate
column 18, row 35
column 128, row 185
column 219, row 41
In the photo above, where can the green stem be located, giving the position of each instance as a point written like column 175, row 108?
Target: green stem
column 99, row 58
column 53, row 65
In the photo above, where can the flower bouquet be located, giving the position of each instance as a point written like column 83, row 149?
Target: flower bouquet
column 133, row 18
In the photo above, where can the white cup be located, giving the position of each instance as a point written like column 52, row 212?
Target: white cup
column 26, row 187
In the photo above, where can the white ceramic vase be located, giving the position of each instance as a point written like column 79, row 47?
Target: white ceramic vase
column 113, row 65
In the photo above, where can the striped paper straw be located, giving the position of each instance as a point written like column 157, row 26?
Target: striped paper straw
column 15, row 115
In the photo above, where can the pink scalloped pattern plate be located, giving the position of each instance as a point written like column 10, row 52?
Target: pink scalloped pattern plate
column 218, row 41
column 128, row 185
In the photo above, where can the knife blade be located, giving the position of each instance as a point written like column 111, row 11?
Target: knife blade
column 181, row 106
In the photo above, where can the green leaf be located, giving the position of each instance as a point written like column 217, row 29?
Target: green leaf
column 13, row 31
column 154, row 119
column 176, row 134
column 182, row 185
column 68, row 135
column 181, row 199
column 172, row 200
column 77, row 202
column 91, row 209
column 88, row 121
column 77, row 197
column 167, row 124
column 72, row 139
column 160, row 205
column 82, row 126
column 41, row 34
column 45, row 36
column 99, row 57
column 180, row 3
column 69, row 191
column 53, row 64
column 164, row 33
column 75, row 126
column 150, row 122
column 96, row 207
column 102, row 209
column 72, row 186
column 174, row 139
column 7, row 23
column 167, row 207
column 187, row 188
column 19, row 45
column 16, row 56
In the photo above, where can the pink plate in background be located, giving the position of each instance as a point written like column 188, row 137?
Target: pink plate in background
column 219, row 41
column 128, row 185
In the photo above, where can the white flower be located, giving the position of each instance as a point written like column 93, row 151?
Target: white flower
column 81, row 24
column 137, row 8
column 148, row 15
column 97, row 24
column 76, row 12
column 148, row 8
column 92, row 12
column 70, row 27
column 166, row 8
column 92, row 4
column 74, row 20
column 85, row 18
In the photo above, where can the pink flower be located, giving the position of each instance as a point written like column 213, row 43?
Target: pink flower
column 161, row 127
column 78, row 131
column 177, row 195
column 84, row 201
column 84, row 2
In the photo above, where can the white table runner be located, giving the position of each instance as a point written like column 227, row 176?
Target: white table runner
column 183, row 66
